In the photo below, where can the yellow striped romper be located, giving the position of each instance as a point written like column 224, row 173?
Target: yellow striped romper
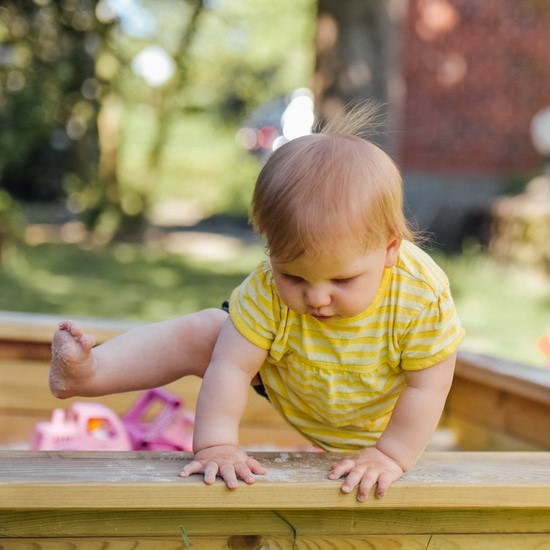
column 337, row 382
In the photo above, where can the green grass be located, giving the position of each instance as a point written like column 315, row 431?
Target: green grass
column 121, row 281
column 505, row 311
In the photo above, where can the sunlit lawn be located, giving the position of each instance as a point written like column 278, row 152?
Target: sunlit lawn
column 505, row 311
column 122, row 281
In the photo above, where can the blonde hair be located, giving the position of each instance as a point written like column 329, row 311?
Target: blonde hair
column 318, row 190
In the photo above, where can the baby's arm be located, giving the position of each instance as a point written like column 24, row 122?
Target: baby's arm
column 145, row 357
column 412, row 424
column 221, row 404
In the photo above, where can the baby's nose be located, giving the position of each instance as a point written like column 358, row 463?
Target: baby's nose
column 317, row 297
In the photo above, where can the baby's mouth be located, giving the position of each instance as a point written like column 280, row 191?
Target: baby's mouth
column 321, row 317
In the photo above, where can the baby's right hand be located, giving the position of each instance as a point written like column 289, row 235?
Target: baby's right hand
column 226, row 461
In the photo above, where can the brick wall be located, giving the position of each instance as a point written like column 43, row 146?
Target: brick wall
column 476, row 71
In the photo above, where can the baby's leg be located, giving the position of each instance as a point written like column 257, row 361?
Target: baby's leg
column 145, row 357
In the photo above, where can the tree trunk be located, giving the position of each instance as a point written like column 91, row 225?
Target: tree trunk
column 357, row 53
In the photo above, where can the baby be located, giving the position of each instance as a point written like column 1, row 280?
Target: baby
column 348, row 328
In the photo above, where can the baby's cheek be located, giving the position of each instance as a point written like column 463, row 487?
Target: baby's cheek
column 290, row 299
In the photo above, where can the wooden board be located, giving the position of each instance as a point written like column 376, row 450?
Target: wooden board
column 147, row 480
column 39, row 328
column 136, row 500
column 496, row 404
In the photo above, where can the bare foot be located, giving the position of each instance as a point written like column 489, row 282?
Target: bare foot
column 72, row 358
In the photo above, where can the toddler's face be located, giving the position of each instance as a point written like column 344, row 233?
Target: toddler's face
column 334, row 285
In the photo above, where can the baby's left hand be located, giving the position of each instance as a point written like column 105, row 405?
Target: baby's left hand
column 364, row 470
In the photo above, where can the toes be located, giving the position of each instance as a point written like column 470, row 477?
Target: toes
column 87, row 342
column 74, row 329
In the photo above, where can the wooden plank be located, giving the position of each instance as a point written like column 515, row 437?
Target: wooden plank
column 149, row 481
column 499, row 405
column 410, row 542
column 16, row 429
column 39, row 328
column 85, row 523
column 502, row 411
column 132, row 500
column 508, row 376
column 472, row 436
column 99, row 543
column 490, row 542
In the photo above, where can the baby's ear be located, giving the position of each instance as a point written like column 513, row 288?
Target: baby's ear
column 392, row 251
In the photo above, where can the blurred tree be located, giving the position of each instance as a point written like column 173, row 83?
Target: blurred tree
column 245, row 55
column 59, row 65
column 48, row 103
column 73, row 73
column 357, row 48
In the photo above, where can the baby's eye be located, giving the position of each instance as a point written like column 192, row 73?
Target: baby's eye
column 345, row 281
column 292, row 278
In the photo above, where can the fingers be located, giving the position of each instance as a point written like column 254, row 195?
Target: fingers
column 341, row 468
column 194, row 467
column 256, row 467
column 230, row 473
column 384, row 482
column 364, row 476
column 209, row 470
column 368, row 481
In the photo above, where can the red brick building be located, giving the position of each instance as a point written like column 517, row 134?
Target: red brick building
column 475, row 73
column 462, row 80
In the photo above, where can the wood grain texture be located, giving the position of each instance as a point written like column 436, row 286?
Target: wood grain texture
column 145, row 480
column 87, row 523
column 509, row 376
column 136, row 500
column 261, row 542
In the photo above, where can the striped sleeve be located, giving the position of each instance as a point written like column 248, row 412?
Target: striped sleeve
column 254, row 309
column 433, row 334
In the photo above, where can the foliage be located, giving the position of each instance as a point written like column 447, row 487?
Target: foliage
column 47, row 96
column 245, row 54
column 71, row 83
column 10, row 224
column 201, row 163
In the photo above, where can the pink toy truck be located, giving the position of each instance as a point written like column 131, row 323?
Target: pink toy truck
column 95, row 427
column 85, row 427
column 170, row 429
